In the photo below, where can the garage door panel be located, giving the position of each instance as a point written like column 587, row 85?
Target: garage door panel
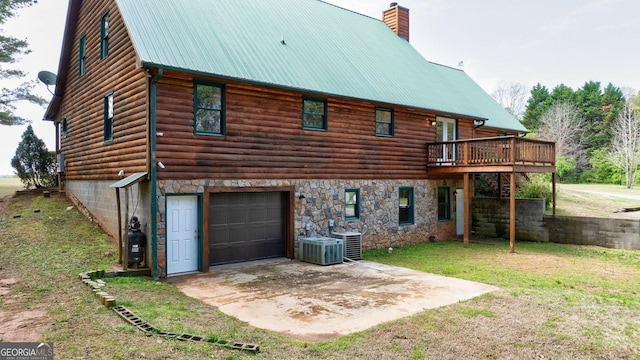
column 246, row 226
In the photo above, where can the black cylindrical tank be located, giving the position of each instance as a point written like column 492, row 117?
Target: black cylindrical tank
column 136, row 241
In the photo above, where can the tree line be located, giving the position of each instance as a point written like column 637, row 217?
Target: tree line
column 596, row 129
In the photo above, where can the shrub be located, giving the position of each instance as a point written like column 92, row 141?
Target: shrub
column 536, row 188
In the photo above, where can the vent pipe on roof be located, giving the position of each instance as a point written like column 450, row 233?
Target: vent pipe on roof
column 397, row 18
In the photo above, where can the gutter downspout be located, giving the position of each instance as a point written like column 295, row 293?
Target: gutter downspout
column 154, row 174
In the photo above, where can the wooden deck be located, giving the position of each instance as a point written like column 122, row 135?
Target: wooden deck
column 498, row 154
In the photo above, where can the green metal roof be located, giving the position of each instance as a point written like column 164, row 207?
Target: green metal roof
column 327, row 50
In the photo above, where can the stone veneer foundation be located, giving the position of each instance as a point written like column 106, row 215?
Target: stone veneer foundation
column 324, row 200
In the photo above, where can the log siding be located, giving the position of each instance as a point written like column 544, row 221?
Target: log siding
column 265, row 137
column 87, row 155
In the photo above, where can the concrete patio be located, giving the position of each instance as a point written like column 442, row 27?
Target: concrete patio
column 313, row 302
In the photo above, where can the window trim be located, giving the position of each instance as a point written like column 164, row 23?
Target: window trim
column 104, row 35
column 391, row 123
column 447, row 203
column 325, row 121
column 82, row 56
column 109, row 105
column 410, row 205
column 222, row 110
column 356, row 205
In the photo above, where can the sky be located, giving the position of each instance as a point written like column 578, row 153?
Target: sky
column 498, row 42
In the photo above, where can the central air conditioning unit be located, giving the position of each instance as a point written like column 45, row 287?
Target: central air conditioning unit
column 321, row 250
column 352, row 244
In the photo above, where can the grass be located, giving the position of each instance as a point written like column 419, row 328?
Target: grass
column 596, row 200
column 9, row 185
column 555, row 301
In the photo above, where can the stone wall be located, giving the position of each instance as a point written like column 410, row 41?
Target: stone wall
column 324, row 200
column 491, row 218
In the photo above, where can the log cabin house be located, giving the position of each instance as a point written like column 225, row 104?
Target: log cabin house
column 234, row 127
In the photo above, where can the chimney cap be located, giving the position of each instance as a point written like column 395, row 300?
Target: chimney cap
column 393, row 4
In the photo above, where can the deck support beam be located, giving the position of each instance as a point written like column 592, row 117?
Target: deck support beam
column 553, row 190
column 512, row 214
column 467, row 208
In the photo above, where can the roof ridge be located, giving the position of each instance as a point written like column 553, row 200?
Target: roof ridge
column 349, row 10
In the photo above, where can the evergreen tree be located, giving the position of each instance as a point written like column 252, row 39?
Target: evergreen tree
column 32, row 162
column 10, row 49
column 589, row 101
column 537, row 105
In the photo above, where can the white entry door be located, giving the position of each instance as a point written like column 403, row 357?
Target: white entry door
column 460, row 212
column 182, row 234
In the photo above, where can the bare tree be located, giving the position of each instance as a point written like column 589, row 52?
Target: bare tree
column 563, row 125
column 512, row 97
column 625, row 145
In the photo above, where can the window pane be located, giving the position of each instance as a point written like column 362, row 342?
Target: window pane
column 383, row 116
column 350, row 210
column 382, row 128
column 110, row 106
column 208, row 121
column 313, row 107
column 315, row 121
column 209, row 97
column 351, row 197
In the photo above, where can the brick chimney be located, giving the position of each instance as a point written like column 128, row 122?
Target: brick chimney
column 397, row 18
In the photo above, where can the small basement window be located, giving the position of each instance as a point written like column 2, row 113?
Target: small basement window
column 352, row 204
column 444, row 203
column 405, row 211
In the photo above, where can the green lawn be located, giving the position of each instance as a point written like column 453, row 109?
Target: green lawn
column 8, row 186
column 555, row 301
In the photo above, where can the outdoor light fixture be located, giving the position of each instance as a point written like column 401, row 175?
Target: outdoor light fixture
column 161, row 165
column 433, row 123
column 121, row 173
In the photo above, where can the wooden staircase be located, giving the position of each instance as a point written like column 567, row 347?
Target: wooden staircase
column 501, row 182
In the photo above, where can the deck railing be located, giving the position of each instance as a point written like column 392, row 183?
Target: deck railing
column 505, row 151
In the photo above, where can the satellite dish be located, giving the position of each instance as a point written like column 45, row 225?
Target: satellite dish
column 47, row 77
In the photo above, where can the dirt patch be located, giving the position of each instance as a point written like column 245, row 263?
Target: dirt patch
column 20, row 325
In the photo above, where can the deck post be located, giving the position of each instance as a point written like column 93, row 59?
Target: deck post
column 512, row 214
column 119, row 226
column 467, row 209
column 553, row 190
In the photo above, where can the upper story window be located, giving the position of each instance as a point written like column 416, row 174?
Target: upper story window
column 108, row 117
column 314, row 114
column 104, row 36
column 352, row 204
column 444, row 203
column 65, row 125
column 209, row 116
column 82, row 55
column 405, row 211
column 384, row 122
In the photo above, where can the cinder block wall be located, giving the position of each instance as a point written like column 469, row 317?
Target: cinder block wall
column 491, row 218
column 610, row 233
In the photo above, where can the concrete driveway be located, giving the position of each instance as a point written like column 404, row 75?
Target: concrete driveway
column 313, row 302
